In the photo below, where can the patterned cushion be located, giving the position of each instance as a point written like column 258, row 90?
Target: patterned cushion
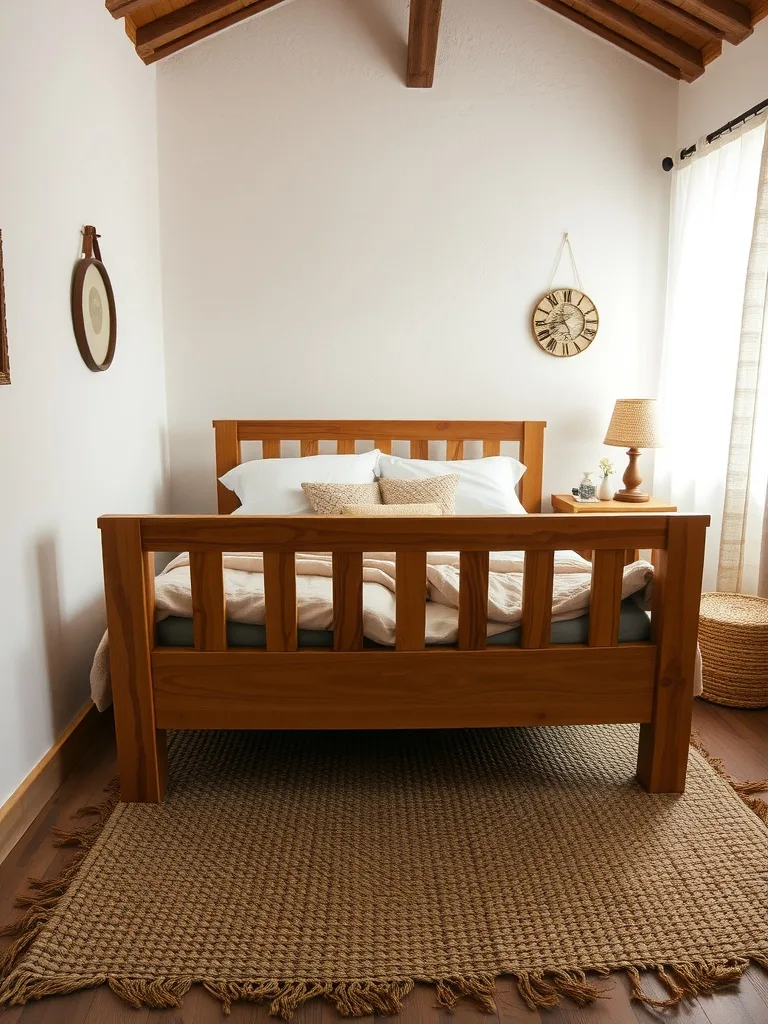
column 329, row 499
column 438, row 490
column 392, row 510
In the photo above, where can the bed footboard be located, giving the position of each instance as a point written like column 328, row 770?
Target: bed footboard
column 467, row 685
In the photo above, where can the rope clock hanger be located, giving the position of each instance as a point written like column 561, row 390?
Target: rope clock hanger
column 565, row 320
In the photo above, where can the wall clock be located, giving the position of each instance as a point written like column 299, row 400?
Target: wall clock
column 93, row 305
column 565, row 322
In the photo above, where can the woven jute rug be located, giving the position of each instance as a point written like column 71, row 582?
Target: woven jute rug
column 286, row 866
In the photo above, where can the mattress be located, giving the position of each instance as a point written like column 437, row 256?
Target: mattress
column 634, row 626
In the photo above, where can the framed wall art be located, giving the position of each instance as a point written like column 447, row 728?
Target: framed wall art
column 5, row 367
column 93, row 305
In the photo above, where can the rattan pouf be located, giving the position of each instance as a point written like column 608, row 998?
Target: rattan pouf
column 733, row 636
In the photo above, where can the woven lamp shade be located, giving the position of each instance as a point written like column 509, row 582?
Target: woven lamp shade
column 634, row 424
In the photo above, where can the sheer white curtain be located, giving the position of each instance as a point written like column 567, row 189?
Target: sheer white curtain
column 714, row 384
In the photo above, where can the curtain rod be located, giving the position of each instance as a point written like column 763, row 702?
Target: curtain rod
column 668, row 163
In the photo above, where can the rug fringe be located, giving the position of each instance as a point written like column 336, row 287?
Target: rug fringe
column 744, row 789
column 690, row 979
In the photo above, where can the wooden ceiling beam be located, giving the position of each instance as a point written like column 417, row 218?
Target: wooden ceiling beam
column 734, row 20
column 678, row 18
column 643, row 33
column 612, row 37
column 124, row 8
column 422, row 42
column 182, row 41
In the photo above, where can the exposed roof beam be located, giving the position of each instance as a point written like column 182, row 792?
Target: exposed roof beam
column 208, row 15
column 422, row 42
column 732, row 18
column 182, row 41
column 122, row 8
column 677, row 17
column 612, row 37
column 637, row 30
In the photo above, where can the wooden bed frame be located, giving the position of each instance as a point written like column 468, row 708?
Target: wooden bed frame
column 280, row 687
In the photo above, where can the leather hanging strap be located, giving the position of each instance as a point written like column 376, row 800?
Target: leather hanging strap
column 91, row 243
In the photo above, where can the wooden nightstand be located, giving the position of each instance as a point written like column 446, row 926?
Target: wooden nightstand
column 566, row 503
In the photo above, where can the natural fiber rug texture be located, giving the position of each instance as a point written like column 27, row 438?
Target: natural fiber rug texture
column 288, row 866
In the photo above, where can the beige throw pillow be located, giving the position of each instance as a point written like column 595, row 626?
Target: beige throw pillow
column 438, row 490
column 330, row 499
column 392, row 510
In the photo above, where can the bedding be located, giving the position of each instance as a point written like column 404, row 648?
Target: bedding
column 438, row 490
column 273, row 486
column 244, row 587
column 485, row 487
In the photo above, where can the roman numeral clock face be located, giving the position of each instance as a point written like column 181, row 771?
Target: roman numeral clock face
column 565, row 322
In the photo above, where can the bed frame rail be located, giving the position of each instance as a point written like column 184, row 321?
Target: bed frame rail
column 212, row 686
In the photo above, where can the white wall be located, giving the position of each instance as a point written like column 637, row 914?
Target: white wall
column 78, row 138
column 735, row 82
column 336, row 245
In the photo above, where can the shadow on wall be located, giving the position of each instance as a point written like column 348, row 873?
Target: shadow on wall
column 69, row 643
column 390, row 37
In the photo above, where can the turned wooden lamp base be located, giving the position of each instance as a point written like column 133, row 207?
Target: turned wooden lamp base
column 632, row 480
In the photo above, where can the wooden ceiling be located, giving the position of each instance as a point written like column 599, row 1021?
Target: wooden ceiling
column 678, row 37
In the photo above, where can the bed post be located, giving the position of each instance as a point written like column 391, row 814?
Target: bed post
column 227, row 457
column 129, row 589
column 662, row 757
column 532, row 456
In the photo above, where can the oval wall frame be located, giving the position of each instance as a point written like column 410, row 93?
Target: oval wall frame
column 94, row 316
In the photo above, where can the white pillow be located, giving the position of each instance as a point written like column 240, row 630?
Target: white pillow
column 486, row 486
column 272, row 487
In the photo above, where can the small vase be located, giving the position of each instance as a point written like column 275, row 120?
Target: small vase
column 605, row 492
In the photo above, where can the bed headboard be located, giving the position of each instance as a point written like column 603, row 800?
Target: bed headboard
column 529, row 433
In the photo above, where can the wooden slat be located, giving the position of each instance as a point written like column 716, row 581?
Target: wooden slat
column 209, row 614
column 160, row 52
column 309, row 448
column 348, row 601
column 406, row 690
column 491, row 448
column 411, row 600
column 345, row 447
column 678, row 18
column 532, row 457
column 122, row 8
column 227, row 457
column 280, row 600
column 605, row 598
column 129, row 589
column 538, row 577
column 419, row 449
column 199, row 19
column 732, row 18
column 473, row 600
column 454, row 450
column 385, row 447
column 429, row 533
column 422, row 42
column 270, row 449
column 610, row 36
column 662, row 758
column 682, row 55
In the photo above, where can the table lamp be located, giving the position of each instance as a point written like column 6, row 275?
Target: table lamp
column 634, row 425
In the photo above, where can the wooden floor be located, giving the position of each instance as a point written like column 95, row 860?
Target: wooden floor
column 739, row 737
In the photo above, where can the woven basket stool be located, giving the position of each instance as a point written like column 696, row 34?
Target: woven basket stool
column 733, row 636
